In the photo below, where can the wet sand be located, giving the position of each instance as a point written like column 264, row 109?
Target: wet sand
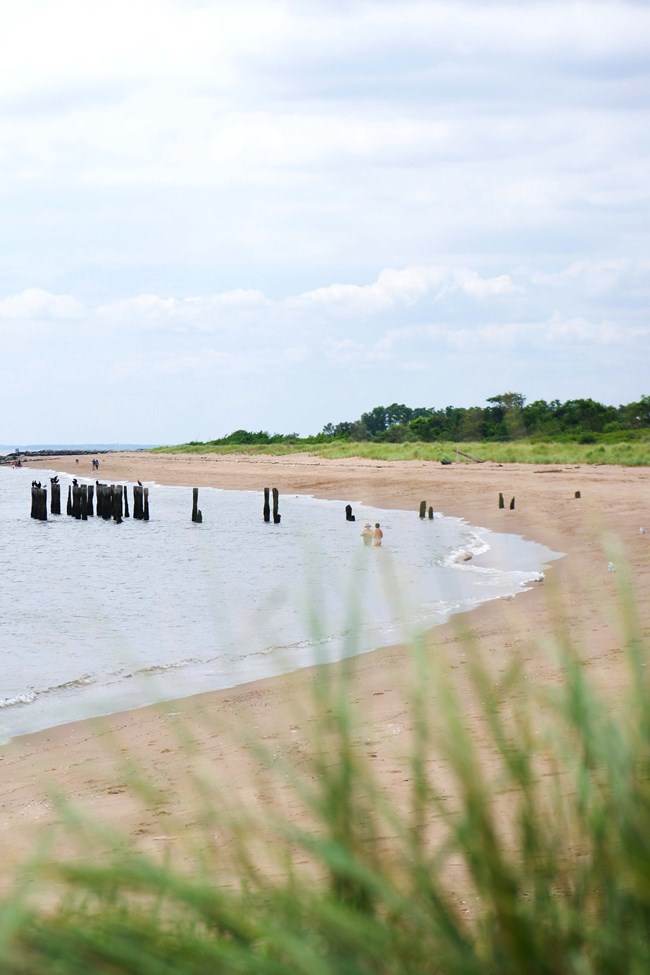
column 91, row 763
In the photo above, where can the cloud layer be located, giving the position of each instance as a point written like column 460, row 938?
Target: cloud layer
column 272, row 214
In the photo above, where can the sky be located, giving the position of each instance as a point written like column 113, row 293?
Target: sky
column 274, row 215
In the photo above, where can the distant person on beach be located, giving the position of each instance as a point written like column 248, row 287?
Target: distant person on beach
column 366, row 534
column 377, row 535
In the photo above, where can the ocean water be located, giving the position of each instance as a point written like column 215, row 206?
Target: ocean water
column 97, row 617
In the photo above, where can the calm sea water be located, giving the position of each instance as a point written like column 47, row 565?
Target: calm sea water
column 97, row 617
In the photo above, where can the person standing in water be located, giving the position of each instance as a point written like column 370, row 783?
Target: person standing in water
column 377, row 535
column 366, row 534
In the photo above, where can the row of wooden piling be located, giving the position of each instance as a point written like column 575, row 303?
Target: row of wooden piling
column 111, row 501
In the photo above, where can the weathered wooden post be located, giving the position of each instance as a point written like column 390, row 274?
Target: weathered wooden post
column 348, row 513
column 196, row 514
column 126, row 502
column 76, row 501
column 116, row 490
column 68, row 509
column 107, row 501
column 502, row 503
column 430, row 513
column 577, row 494
column 39, row 502
column 145, row 509
column 423, row 509
column 55, row 497
column 512, row 504
column 276, row 497
column 83, row 501
column 267, row 506
column 91, row 500
column 138, row 506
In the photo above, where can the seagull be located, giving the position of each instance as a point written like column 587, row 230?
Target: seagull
column 611, row 567
column 642, row 531
column 140, row 483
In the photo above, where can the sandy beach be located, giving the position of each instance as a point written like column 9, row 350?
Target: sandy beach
column 91, row 763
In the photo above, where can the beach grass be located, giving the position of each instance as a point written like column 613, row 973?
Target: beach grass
column 629, row 453
column 540, row 866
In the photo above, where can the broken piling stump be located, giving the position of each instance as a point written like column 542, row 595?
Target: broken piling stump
column 502, row 503
column 348, row 513
column 276, row 497
column 267, row 505
column 512, row 504
column 423, row 509
column 196, row 514
column 430, row 513
column 39, row 502
column 138, row 502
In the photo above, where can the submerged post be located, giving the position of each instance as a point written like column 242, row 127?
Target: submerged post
column 348, row 513
column 423, row 509
column 267, row 506
column 55, row 496
column 83, row 501
column 138, row 502
column 126, row 502
column 117, row 493
column 276, row 497
column 430, row 513
column 91, row 499
column 145, row 510
column 68, row 509
column 196, row 514
column 39, row 502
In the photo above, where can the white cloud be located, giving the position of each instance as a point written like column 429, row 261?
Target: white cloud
column 35, row 303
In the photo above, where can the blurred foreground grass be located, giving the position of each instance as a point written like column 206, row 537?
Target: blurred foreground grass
column 541, row 865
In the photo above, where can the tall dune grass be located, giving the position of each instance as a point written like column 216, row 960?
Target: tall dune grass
column 542, row 866
column 627, row 453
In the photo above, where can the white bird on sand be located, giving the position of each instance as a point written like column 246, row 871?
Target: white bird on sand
column 611, row 567
column 642, row 531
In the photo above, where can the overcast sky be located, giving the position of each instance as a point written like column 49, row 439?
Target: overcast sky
column 276, row 214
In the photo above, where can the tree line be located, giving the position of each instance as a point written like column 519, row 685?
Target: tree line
column 506, row 416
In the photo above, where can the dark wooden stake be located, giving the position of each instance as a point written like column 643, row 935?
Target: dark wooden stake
column 512, row 504
column 55, row 497
column 267, row 506
column 577, row 494
column 196, row 514
column 39, row 502
column 91, row 500
column 138, row 502
column 68, row 509
column 423, row 509
column 276, row 497
column 118, row 494
column 502, row 503
column 126, row 502
column 145, row 511
column 431, row 513
column 83, row 501
column 348, row 513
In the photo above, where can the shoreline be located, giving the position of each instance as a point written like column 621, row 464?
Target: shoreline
column 614, row 504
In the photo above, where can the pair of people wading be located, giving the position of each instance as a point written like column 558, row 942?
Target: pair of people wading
column 372, row 536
